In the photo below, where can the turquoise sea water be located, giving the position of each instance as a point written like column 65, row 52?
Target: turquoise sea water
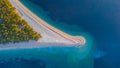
column 100, row 18
column 49, row 57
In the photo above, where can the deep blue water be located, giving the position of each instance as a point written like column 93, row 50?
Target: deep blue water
column 100, row 18
column 90, row 18
column 51, row 57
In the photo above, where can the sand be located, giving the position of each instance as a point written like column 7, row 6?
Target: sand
column 50, row 35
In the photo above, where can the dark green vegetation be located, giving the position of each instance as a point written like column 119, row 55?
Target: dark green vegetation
column 12, row 27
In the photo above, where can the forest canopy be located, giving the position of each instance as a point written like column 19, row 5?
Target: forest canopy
column 12, row 27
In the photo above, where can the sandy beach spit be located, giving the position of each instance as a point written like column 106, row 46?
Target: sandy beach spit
column 50, row 35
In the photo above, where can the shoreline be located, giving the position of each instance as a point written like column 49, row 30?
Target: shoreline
column 50, row 35
column 31, row 44
column 65, row 35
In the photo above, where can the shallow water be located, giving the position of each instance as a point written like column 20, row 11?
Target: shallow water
column 80, row 17
column 49, row 57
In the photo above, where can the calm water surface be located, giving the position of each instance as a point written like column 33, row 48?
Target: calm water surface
column 49, row 57
column 97, row 18
column 100, row 18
